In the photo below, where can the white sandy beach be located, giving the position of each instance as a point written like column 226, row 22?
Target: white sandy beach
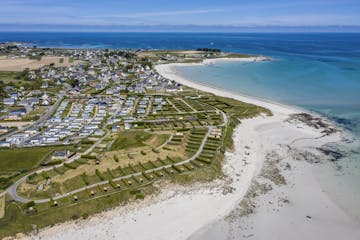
column 191, row 212
column 246, row 59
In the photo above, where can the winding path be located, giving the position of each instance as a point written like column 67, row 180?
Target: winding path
column 13, row 192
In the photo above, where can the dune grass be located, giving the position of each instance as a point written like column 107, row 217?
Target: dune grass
column 19, row 159
column 129, row 139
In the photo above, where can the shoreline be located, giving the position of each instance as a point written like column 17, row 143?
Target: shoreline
column 169, row 71
column 205, row 204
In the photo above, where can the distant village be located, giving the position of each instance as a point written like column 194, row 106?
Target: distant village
column 62, row 105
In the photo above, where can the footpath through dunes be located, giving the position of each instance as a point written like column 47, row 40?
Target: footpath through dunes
column 203, row 203
column 13, row 192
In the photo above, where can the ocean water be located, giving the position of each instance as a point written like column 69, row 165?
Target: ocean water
column 320, row 72
column 317, row 72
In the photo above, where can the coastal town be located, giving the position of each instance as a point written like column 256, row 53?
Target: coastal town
column 180, row 120
column 92, row 90
column 83, row 126
column 95, row 140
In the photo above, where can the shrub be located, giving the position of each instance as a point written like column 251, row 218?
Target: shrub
column 116, row 158
column 84, row 177
column 28, row 204
column 58, row 171
column 85, row 141
column 110, row 173
column 52, row 163
column 112, row 184
column 44, row 175
column 88, row 156
column 135, row 191
column 68, row 165
column 99, row 174
column 139, row 196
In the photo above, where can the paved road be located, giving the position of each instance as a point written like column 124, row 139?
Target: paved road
column 40, row 120
column 13, row 193
column 13, row 189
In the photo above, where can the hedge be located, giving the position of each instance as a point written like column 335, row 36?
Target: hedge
column 99, row 174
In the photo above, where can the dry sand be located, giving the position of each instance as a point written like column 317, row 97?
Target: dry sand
column 14, row 124
column 20, row 64
column 179, row 212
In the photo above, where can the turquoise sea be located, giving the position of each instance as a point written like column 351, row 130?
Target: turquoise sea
column 317, row 71
column 321, row 76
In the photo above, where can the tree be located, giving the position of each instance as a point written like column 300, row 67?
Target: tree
column 74, row 83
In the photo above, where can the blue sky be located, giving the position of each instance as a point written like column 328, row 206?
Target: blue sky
column 233, row 13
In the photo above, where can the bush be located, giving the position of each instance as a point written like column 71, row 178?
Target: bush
column 111, row 175
column 52, row 163
column 112, row 184
column 135, row 191
column 5, row 182
column 28, row 204
column 155, row 150
column 44, row 175
column 99, row 174
column 116, row 158
column 68, row 165
column 84, row 177
column 75, row 217
column 86, row 141
column 85, row 215
column 88, row 156
column 139, row 196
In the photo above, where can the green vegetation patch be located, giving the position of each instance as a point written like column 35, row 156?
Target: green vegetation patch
column 23, row 159
column 130, row 139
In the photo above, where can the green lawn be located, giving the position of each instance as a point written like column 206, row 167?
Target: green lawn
column 129, row 139
column 17, row 79
column 8, row 77
column 15, row 221
column 23, row 159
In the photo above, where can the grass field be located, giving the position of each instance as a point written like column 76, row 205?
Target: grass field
column 130, row 139
column 20, row 64
column 20, row 159
column 17, row 79
column 2, row 207
column 17, row 220
column 8, row 77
